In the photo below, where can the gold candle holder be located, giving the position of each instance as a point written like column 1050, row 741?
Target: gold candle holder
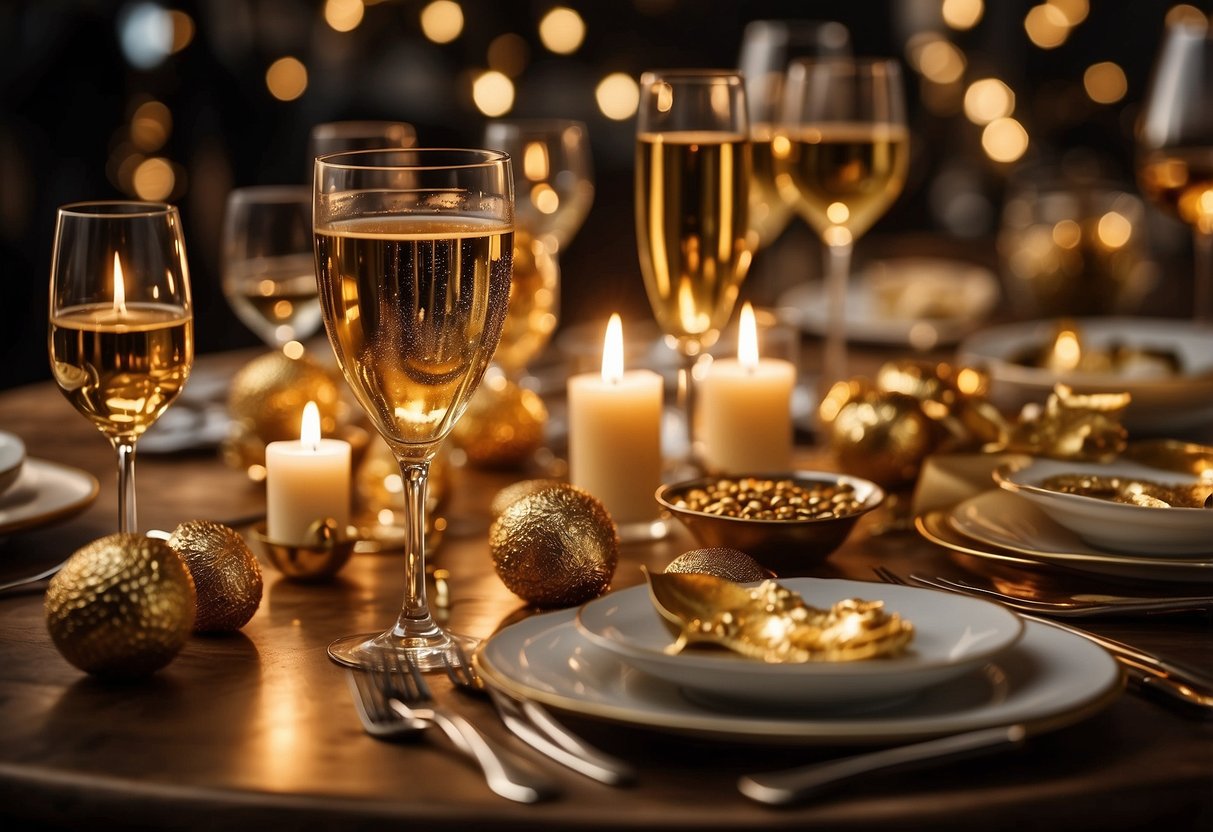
column 319, row 558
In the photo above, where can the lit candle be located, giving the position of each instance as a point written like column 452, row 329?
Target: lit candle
column 306, row 481
column 747, row 408
column 615, row 434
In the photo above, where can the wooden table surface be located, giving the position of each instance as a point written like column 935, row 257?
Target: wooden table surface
column 257, row 729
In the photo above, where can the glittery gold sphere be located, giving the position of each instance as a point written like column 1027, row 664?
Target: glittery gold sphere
column 121, row 606
column 720, row 562
column 534, row 295
column 502, row 426
column 555, row 548
column 227, row 578
column 511, row 494
column 883, row 437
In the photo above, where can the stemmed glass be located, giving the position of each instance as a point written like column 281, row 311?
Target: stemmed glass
column 413, row 255
column 1175, row 145
column 121, row 337
column 844, row 164
column 269, row 276
column 692, row 191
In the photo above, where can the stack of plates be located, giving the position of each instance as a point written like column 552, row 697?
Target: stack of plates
column 971, row 665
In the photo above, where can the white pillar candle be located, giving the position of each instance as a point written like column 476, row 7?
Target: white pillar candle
column 305, row 481
column 615, row 434
column 747, row 408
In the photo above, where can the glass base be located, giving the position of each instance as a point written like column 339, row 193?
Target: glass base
column 430, row 653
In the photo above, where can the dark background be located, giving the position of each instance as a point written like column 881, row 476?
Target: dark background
column 67, row 94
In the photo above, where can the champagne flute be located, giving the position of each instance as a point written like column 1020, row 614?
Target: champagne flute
column 413, row 254
column 692, row 190
column 844, row 164
column 767, row 47
column 269, row 276
column 1175, row 145
column 121, row 337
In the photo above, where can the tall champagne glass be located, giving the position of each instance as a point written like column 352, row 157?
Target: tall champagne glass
column 1175, row 145
column 844, row 164
column 692, row 190
column 767, row 47
column 121, row 338
column 413, row 254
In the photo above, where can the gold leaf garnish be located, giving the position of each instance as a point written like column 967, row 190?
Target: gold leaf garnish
column 1132, row 490
column 771, row 623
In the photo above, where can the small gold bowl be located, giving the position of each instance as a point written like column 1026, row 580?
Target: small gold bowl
column 318, row 559
column 786, row 547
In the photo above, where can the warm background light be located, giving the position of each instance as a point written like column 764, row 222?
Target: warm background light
column 183, row 30
column 1047, row 26
column 562, row 30
column 509, row 54
column 493, row 93
column 988, row 99
column 1114, row 229
column 1187, row 15
column 1105, row 82
column 940, row 61
column 151, row 124
column 962, row 14
column 1004, row 140
column 286, row 78
column 154, row 179
column 442, row 21
column 618, row 96
column 343, row 15
column 1074, row 11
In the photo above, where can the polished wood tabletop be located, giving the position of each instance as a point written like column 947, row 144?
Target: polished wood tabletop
column 257, row 729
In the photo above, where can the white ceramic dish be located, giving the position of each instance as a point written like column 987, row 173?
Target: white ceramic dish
column 1159, row 405
column 12, row 457
column 917, row 301
column 952, row 635
column 45, row 492
column 997, row 518
column 1116, row 527
column 1049, row 679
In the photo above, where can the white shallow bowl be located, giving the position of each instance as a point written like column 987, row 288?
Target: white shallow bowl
column 1117, row 527
column 12, row 457
column 1158, row 405
column 952, row 635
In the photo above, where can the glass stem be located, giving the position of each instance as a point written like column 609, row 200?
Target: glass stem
column 834, row 357
column 687, row 402
column 126, row 486
column 415, row 620
column 1203, row 256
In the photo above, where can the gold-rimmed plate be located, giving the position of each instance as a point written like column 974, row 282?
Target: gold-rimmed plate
column 44, row 493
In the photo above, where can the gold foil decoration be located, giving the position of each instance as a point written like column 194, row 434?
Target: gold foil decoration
column 1132, row 490
column 1173, row 455
column 720, row 562
column 514, row 492
column 503, row 425
column 122, row 605
column 771, row 623
column 1070, row 426
column 227, row 577
column 557, row 547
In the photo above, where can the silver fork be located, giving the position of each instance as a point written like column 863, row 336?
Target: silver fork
column 1077, row 606
column 408, row 695
column 531, row 723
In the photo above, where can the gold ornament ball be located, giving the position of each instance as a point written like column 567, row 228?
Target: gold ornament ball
column 121, row 606
column 883, row 437
column 502, row 426
column 721, row 562
column 227, row 577
column 511, row 494
column 555, row 548
column 267, row 397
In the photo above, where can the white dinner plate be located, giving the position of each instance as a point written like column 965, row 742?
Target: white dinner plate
column 997, row 518
column 45, row 492
column 1049, row 679
column 1116, row 527
column 917, row 301
column 12, row 457
column 1158, row 405
column 952, row 635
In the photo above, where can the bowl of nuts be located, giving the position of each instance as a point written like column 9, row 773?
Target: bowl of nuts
column 786, row 522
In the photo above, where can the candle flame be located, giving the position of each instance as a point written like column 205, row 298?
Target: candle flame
column 309, row 426
column 747, row 338
column 119, row 287
column 612, row 350
column 1067, row 351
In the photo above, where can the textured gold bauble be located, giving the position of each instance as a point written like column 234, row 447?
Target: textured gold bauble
column 514, row 492
column 555, row 548
column 883, row 437
column 227, row 578
column 121, row 606
column 379, row 499
column 721, row 562
column 502, row 426
column 534, row 296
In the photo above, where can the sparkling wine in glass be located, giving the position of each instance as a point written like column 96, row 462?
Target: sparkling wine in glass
column 413, row 256
column 693, row 178
column 843, row 165
column 1175, row 145
column 269, row 274
column 121, row 337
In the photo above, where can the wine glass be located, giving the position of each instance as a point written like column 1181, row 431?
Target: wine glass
column 843, row 165
column 121, row 338
column 413, row 254
column 1175, row 145
column 767, row 47
column 692, row 201
column 269, row 276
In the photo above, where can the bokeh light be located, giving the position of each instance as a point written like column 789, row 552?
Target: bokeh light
column 183, row 30
column 286, row 78
column 493, row 93
column 988, row 99
column 1074, row 11
column 562, row 30
column 1105, row 82
column 1004, row 140
column 151, row 125
column 442, row 21
column 618, row 96
column 145, row 33
column 153, row 179
column 1114, row 229
column 962, row 14
column 509, row 54
column 1185, row 14
column 343, row 15
column 941, row 62
column 1047, row 26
